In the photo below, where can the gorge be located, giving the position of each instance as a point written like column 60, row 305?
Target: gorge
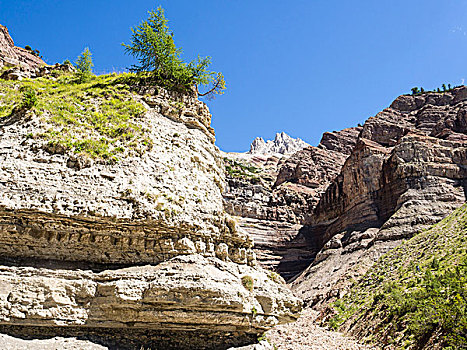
column 143, row 234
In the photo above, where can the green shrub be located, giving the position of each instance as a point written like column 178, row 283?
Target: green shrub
column 29, row 98
column 248, row 283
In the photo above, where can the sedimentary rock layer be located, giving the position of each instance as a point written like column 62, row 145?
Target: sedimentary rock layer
column 11, row 56
column 407, row 171
column 75, row 231
column 144, row 209
column 185, row 295
column 273, row 200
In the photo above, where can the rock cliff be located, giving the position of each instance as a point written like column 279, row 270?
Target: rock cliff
column 272, row 196
column 407, row 171
column 13, row 56
column 112, row 226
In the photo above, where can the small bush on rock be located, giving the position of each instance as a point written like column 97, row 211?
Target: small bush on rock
column 29, row 98
column 248, row 283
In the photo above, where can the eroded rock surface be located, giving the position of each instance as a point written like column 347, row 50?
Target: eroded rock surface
column 186, row 295
column 272, row 196
column 13, row 56
column 75, row 230
column 407, row 171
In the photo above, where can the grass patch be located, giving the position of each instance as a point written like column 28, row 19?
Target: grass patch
column 98, row 118
column 416, row 290
column 240, row 170
column 248, row 283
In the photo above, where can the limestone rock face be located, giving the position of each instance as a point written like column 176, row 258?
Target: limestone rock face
column 282, row 144
column 274, row 199
column 407, row 171
column 143, row 209
column 11, row 56
column 187, row 295
column 271, row 216
column 75, row 232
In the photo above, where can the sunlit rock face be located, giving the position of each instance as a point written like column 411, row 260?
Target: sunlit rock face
column 272, row 194
column 407, row 171
column 23, row 61
column 282, row 144
column 130, row 253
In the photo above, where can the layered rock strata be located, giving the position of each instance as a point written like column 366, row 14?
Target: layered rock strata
column 13, row 56
column 186, row 302
column 272, row 196
column 75, row 232
column 407, row 171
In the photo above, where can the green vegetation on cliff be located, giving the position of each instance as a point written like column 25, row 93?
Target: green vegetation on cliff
column 153, row 45
column 240, row 170
column 98, row 118
column 416, row 295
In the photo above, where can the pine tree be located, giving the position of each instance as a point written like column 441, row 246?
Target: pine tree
column 84, row 66
column 153, row 45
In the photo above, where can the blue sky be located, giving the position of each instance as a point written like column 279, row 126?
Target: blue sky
column 299, row 66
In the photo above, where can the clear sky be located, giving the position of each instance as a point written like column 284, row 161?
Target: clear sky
column 299, row 66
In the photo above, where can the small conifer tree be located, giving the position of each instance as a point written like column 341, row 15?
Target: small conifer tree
column 153, row 45
column 84, row 66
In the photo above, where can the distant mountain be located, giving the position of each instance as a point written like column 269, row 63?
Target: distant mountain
column 282, row 144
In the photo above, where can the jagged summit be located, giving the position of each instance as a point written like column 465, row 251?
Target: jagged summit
column 282, row 144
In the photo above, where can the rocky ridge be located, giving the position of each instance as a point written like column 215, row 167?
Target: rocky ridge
column 271, row 197
column 407, row 171
column 22, row 60
column 282, row 144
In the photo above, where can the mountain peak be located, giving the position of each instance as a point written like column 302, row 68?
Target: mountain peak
column 282, row 143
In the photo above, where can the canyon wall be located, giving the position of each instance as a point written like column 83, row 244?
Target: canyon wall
column 407, row 171
column 130, row 251
column 271, row 196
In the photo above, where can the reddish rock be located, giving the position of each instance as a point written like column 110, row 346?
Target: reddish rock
column 407, row 171
column 13, row 56
column 272, row 204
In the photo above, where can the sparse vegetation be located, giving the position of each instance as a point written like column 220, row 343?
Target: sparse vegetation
column 237, row 169
column 31, row 51
column 248, row 283
column 416, row 291
column 98, row 118
column 419, row 91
